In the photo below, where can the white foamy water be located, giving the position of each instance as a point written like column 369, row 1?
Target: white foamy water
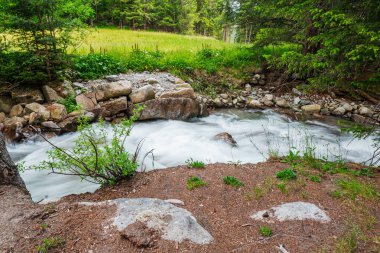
column 176, row 141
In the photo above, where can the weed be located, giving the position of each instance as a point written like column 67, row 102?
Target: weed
column 261, row 190
column 70, row 103
column 195, row 164
column 350, row 240
column 195, row 182
column 282, row 188
column 232, row 181
column 353, row 188
column 286, row 174
column 43, row 226
column 50, row 243
column 265, row 231
column 315, row 179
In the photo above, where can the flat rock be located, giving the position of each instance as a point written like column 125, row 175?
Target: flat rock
column 171, row 222
column 113, row 107
column 113, row 90
column 314, row 108
column 182, row 93
column 17, row 110
column 292, row 211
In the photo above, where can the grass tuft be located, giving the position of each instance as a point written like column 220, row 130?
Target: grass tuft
column 265, row 231
column 286, row 174
column 232, row 181
column 195, row 182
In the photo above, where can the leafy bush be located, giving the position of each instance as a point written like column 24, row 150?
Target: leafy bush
column 195, row 182
column 70, row 103
column 93, row 66
column 232, row 181
column 95, row 157
column 195, row 164
column 286, row 174
column 265, row 231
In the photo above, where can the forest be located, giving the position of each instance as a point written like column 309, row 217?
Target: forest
column 326, row 43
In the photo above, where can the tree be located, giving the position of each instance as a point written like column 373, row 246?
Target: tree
column 8, row 170
column 41, row 31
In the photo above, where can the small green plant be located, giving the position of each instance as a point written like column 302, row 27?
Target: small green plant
column 265, row 231
column 50, row 243
column 43, row 226
column 315, row 179
column 286, row 174
column 195, row 182
column 232, row 181
column 70, row 103
column 282, row 188
column 195, row 164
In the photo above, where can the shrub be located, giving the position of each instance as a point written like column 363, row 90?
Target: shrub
column 93, row 66
column 195, row 164
column 286, row 174
column 95, row 157
column 70, row 103
column 195, row 182
column 265, row 231
column 232, row 181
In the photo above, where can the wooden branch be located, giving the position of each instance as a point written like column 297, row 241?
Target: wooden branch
column 368, row 97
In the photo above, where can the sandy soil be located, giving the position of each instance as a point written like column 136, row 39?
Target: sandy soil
column 222, row 210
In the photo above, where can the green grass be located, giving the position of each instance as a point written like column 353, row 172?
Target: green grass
column 195, row 182
column 353, row 188
column 232, row 181
column 265, row 231
column 195, row 164
column 315, row 179
column 50, row 243
column 119, row 42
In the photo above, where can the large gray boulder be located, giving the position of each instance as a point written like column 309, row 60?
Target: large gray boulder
column 171, row 222
column 170, row 108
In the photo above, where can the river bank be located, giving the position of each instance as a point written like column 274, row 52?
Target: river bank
column 223, row 211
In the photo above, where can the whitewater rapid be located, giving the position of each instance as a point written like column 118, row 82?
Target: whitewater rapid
column 173, row 142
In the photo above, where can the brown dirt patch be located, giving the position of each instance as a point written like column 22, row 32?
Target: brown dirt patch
column 222, row 210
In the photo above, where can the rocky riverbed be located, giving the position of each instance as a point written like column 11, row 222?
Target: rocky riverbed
column 163, row 96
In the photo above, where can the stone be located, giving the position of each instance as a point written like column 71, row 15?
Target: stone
column 182, row 93
column 269, row 97
column 171, row 222
column 17, row 110
column 6, row 104
column 34, row 118
column 142, row 94
column 280, row 102
column 365, row 111
column 2, row 117
column 14, row 121
column 51, row 126
column 85, row 102
column 267, row 102
column 175, row 202
column 296, row 100
column 292, row 211
column 113, row 90
column 359, row 119
column 347, row 107
column 170, row 108
column 254, row 104
column 178, row 81
column 224, row 96
column 57, row 111
column 151, row 80
column 296, row 92
column 13, row 128
column 50, row 94
column 27, row 96
column 248, row 87
column 257, row 77
column 339, row 111
column 34, row 107
column 112, row 78
column 227, row 138
column 66, row 89
column 70, row 124
column 113, row 107
column 183, row 86
column 314, row 108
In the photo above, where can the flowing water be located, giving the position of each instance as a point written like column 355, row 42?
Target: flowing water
column 256, row 132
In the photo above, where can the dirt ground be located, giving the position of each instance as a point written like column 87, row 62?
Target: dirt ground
column 221, row 209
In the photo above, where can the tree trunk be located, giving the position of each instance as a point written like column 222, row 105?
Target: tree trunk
column 8, row 170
